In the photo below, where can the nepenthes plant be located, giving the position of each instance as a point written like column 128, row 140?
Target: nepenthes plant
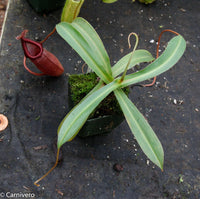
column 86, row 42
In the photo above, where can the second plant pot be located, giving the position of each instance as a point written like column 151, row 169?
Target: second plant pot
column 45, row 6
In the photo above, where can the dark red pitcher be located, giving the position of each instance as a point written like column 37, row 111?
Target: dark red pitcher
column 45, row 61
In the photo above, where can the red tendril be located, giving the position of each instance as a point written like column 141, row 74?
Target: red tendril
column 33, row 73
column 157, row 53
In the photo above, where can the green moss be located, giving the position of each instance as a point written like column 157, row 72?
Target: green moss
column 80, row 85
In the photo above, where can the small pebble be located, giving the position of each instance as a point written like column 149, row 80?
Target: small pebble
column 150, row 18
column 175, row 101
column 183, row 10
column 148, row 162
column 152, row 41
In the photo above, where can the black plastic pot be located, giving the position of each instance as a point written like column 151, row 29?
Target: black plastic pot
column 45, row 6
column 102, row 124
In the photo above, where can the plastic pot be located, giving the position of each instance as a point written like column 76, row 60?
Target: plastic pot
column 101, row 125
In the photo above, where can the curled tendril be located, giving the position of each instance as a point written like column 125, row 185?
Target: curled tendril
column 157, row 53
column 135, row 46
column 54, row 166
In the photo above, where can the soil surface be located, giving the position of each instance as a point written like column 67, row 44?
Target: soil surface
column 35, row 106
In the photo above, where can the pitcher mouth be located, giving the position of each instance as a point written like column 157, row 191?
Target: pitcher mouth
column 26, row 41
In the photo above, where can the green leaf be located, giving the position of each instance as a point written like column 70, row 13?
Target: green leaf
column 76, row 118
column 98, row 49
column 139, row 56
column 141, row 129
column 86, row 42
column 169, row 58
column 109, row 1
